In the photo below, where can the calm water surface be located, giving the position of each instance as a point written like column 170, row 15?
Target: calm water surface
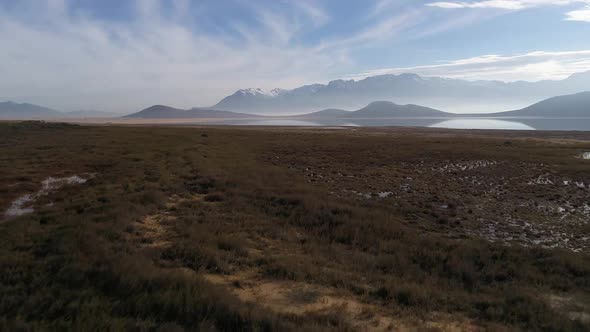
column 582, row 124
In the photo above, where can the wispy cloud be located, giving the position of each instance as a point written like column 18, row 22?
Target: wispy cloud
column 317, row 14
column 66, row 59
column 385, row 7
column 379, row 31
column 531, row 66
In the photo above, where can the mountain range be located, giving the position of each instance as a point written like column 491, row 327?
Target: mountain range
column 569, row 106
column 459, row 96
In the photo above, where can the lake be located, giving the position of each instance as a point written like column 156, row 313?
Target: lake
column 580, row 124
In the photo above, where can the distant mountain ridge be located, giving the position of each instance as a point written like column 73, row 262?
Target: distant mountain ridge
column 436, row 92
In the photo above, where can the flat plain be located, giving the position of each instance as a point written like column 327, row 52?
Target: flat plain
column 175, row 228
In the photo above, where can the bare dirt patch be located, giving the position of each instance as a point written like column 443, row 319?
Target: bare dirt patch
column 24, row 204
column 286, row 297
column 576, row 307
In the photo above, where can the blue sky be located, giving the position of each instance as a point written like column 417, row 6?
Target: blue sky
column 121, row 55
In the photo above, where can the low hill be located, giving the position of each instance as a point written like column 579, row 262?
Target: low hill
column 387, row 109
column 572, row 106
column 158, row 112
column 167, row 112
column 379, row 109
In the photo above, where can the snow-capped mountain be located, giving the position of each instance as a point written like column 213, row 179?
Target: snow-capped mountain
column 453, row 95
column 258, row 92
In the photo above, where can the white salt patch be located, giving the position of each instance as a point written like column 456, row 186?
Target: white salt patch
column 385, row 194
column 405, row 187
column 54, row 183
column 466, row 166
column 19, row 206
column 542, row 179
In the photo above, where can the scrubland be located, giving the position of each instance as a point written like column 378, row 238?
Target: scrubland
column 274, row 229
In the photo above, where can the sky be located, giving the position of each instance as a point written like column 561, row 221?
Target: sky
column 124, row 55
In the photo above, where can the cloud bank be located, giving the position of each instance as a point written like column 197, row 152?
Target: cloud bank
column 576, row 15
column 582, row 15
column 531, row 66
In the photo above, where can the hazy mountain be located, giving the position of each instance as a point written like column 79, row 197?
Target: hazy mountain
column 167, row 112
column 24, row 111
column 454, row 95
column 572, row 106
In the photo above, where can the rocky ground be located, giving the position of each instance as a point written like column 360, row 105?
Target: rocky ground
column 527, row 202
